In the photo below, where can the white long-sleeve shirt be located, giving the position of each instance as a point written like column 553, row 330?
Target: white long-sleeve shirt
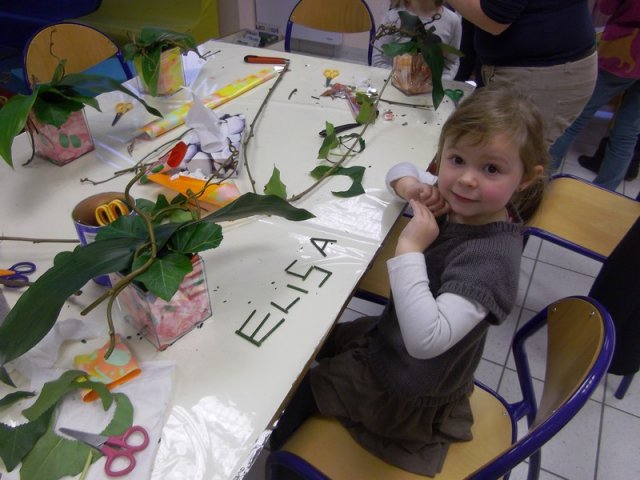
column 429, row 325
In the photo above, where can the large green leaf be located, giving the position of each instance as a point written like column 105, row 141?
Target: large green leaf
column 38, row 307
column 16, row 442
column 196, row 238
column 98, row 84
column 164, row 276
column 13, row 118
column 434, row 57
column 253, row 204
column 52, row 392
column 122, row 416
column 54, row 457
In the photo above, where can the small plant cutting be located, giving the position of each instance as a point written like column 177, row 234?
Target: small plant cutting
column 52, row 104
column 157, row 55
column 152, row 248
column 421, row 41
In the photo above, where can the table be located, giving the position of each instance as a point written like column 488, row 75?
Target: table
column 226, row 390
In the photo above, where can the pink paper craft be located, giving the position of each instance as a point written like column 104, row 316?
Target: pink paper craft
column 176, row 117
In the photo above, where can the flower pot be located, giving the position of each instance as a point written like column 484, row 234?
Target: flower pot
column 410, row 74
column 171, row 76
column 161, row 322
column 61, row 145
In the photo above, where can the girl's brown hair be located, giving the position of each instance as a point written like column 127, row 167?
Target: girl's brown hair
column 501, row 109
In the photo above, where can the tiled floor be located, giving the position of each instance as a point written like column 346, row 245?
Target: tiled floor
column 602, row 441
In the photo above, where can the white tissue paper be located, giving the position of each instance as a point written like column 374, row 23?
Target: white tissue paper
column 213, row 143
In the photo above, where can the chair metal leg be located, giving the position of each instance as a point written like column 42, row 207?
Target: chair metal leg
column 624, row 386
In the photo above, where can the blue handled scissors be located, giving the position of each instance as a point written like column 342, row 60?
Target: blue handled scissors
column 454, row 94
column 18, row 273
column 116, row 447
column 107, row 213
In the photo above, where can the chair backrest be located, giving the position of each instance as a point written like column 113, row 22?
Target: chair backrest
column 580, row 343
column 343, row 16
column 582, row 216
column 80, row 45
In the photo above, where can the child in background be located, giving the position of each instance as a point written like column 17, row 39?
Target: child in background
column 448, row 28
column 400, row 383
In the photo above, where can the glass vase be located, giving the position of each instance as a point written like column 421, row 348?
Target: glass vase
column 61, row 145
column 162, row 322
column 171, row 75
column 410, row 74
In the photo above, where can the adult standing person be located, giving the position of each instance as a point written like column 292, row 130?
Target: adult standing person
column 618, row 73
column 544, row 47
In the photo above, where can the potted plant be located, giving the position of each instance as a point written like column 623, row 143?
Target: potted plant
column 418, row 62
column 152, row 248
column 53, row 115
column 157, row 56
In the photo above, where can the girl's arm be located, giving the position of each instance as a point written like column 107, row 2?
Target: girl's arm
column 472, row 11
column 429, row 326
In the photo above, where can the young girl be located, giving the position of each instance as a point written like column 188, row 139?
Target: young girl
column 448, row 28
column 401, row 382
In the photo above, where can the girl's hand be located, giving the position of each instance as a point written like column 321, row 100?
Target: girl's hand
column 411, row 188
column 420, row 232
column 431, row 198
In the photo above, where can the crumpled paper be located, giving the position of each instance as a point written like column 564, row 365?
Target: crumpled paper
column 214, row 142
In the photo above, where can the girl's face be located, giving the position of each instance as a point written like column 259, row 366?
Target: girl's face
column 478, row 180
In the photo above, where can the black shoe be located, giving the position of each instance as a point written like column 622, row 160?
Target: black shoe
column 589, row 163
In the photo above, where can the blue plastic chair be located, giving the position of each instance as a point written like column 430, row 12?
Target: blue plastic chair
column 84, row 48
column 341, row 16
column 580, row 342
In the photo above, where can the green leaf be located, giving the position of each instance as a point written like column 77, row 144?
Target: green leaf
column 253, row 204
column 38, row 307
column 330, row 141
column 97, row 84
column 164, row 276
column 367, row 113
column 393, row 49
column 196, row 238
column 6, row 378
column 16, row 442
column 275, row 186
column 433, row 57
column 122, row 416
column 13, row 118
column 13, row 397
column 52, row 392
column 355, row 173
column 54, row 457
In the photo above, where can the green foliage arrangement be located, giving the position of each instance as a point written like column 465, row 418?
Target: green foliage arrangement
column 152, row 248
column 421, row 40
column 147, row 48
column 44, row 454
column 53, row 102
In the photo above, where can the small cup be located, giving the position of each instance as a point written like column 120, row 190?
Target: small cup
column 84, row 219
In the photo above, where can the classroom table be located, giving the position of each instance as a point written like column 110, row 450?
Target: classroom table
column 225, row 391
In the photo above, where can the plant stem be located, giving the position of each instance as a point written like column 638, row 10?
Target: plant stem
column 40, row 240
column 346, row 155
column 245, row 143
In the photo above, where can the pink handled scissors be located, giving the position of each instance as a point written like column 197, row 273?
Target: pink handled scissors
column 116, row 448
